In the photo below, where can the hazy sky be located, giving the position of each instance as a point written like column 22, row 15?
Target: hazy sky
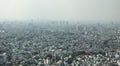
column 108, row 10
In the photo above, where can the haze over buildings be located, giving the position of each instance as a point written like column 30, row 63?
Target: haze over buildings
column 59, row 32
column 85, row 10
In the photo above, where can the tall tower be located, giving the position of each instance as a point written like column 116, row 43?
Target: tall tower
column 1, row 27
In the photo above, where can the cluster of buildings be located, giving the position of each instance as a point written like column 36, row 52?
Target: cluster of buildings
column 84, row 45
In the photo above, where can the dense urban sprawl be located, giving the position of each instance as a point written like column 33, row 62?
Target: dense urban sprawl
column 59, row 44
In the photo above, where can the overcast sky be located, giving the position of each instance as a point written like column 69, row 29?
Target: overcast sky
column 107, row 10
